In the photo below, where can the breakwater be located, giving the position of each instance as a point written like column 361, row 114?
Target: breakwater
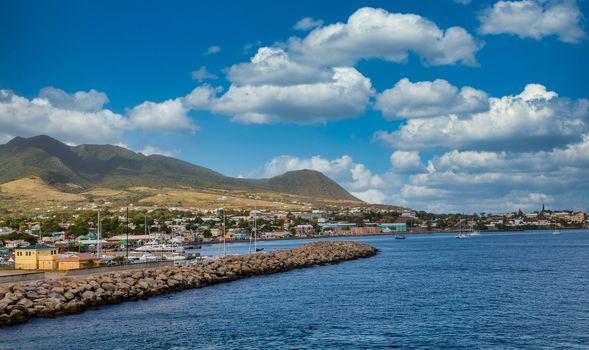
column 52, row 298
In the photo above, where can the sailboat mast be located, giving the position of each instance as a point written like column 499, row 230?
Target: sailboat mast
column 256, row 224
column 224, row 222
column 98, row 236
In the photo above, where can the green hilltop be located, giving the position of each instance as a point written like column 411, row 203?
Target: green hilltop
column 83, row 167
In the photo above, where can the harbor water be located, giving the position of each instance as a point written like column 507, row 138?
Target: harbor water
column 521, row 290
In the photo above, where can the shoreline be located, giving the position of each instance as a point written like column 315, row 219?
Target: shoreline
column 374, row 235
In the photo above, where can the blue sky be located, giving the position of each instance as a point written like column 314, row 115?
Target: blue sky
column 460, row 133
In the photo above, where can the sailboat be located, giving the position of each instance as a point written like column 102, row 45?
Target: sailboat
column 460, row 234
column 556, row 230
column 256, row 249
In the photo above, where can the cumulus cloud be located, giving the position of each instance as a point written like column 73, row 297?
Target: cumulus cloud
column 308, row 23
column 213, row 50
column 345, row 95
column 355, row 177
column 371, row 196
column 273, row 66
column 376, row 33
column 281, row 164
column 80, row 117
column 427, row 99
column 202, row 74
column 502, row 181
column 73, row 118
column 534, row 19
column 168, row 117
column 534, row 119
column 151, row 150
column 84, row 101
column 404, row 162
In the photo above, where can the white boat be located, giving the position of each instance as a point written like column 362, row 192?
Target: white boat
column 460, row 234
column 556, row 232
column 154, row 247
column 174, row 257
column 475, row 234
column 148, row 258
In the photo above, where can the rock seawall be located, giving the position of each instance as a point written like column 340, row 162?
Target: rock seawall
column 51, row 298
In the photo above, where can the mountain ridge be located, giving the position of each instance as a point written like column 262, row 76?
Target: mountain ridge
column 86, row 166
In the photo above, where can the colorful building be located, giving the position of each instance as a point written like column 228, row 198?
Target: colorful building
column 42, row 257
column 76, row 261
column 27, row 258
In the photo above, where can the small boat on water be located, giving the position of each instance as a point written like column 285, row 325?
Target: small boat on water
column 460, row 234
column 399, row 236
column 556, row 232
column 474, row 234
column 259, row 249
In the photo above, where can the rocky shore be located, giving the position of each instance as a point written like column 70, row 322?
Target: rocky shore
column 52, row 298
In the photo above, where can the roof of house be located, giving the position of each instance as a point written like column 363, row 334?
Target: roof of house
column 37, row 246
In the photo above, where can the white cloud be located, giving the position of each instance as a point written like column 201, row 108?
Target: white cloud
column 534, row 119
column 376, row 33
column 202, row 74
column 166, row 117
column 404, row 162
column 213, row 50
column 150, row 150
column 371, row 196
column 462, row 2
column 427, row 99
column 503, row 181
column 463, row 181
column 84, row 101
column 308, row 23
column 354, row 177
column 273, row 66
column 73, row 118
column 310, row 80
column 345, row 95
column 534, row 19
column 80, row 117
column 281, row 164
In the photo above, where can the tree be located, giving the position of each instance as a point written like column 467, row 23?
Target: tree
column 49, row 226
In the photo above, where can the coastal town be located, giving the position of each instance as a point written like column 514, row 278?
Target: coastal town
column 95, row 235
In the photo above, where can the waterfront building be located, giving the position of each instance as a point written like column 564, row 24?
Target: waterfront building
column 76, row 261
column 27, row 258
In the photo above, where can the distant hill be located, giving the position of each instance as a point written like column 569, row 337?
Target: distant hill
column 80, row 168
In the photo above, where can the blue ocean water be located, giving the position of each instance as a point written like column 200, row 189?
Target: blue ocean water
column 524, row 290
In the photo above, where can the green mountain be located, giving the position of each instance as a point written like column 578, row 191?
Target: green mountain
column 90, row 166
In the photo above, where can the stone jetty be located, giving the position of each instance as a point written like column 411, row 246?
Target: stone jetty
column 51, row 298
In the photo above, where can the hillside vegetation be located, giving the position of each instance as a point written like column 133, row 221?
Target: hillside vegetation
column 44, row 167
